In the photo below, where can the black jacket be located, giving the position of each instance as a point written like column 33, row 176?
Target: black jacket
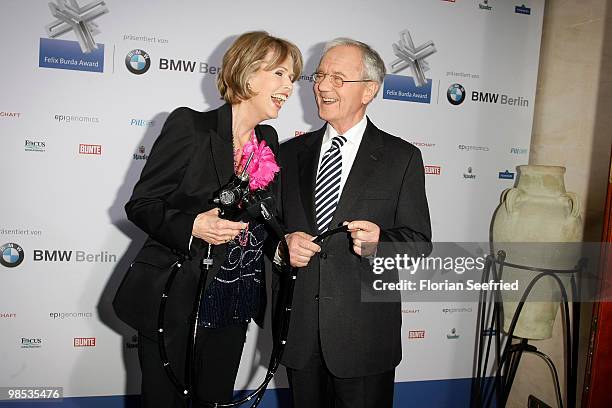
column 191, row 159
column 386, row 185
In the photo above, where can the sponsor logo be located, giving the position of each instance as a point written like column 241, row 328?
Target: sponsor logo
column 16, row 115
column 416, row 334
column 180, row 65
column 506, row 175
column 434, row 170
column 484, row 5
column 4, row 231
column 74, row 118
column 78, row 19
column 306, row 78
column 518, row 150
column 452, row 310
column 82, row 55
column 11, row 255
column 403, row 88
column 133, row 343
column 469, row 174
column 137, row 61
column 70, row 315
column 497, row 98
column 453, row 334
column 34, row 146
column 62, row 54
column 462, row 74
column 411, row 311
column 7, row 315
column 144, row 38
column 90, row 149
column 522, row 9
column 298, row 133
column 30, row 343
column 413, row 57
column 142, row 122
column 84, row 342
column 141, row 154
column 455, row 94
column 56, row 255
column 423, row 144
column 470, row 148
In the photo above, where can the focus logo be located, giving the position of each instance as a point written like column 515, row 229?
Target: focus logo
column 30, row 343
column 137, row 61
column 11, row 255
column 455, row 94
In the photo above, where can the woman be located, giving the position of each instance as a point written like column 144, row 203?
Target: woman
column 195, row 154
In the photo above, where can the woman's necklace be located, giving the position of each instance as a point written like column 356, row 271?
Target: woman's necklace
column 243, row 236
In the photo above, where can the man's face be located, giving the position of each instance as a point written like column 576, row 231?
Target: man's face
column 342, row 107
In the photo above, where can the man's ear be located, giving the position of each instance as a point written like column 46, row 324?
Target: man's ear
column 370, row 91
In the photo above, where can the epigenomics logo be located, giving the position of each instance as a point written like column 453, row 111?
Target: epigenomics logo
column 137, row 61
column 455, row 94
column 11, row 255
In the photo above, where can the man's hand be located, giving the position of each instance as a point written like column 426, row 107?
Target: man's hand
column 365, row 236
column 301, row 248
column 214, row 230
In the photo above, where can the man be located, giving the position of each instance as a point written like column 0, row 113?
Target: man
column 342, row 351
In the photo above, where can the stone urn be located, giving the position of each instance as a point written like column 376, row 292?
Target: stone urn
column 535, row 224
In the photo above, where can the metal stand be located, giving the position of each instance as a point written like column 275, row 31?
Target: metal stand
column 506, row 354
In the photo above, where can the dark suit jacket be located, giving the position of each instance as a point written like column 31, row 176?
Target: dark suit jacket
column 386, row 185
column 191, row 159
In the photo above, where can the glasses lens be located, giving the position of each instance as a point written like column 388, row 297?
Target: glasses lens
column 317, row 76
column 337, row 81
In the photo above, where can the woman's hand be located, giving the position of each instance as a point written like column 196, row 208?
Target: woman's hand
column 214, row 230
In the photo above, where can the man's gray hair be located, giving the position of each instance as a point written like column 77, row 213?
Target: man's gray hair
column 373, row 65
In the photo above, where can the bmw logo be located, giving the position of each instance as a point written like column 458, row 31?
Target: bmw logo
column 137, row 62
column 455, row 94
column 11, row 255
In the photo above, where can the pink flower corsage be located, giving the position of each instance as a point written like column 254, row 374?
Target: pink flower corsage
column 263, row 167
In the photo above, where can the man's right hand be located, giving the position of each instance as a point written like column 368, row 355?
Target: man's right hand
column 301, row 248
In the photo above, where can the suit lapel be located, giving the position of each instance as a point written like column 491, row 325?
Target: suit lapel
column 308, row 160
column 221, row 144
column 368, row 156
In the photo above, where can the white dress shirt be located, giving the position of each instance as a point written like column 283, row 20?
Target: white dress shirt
column 348, row 150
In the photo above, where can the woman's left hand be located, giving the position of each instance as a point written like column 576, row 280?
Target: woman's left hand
column 214, row 230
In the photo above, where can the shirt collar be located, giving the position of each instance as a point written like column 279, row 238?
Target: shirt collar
column 353, row 135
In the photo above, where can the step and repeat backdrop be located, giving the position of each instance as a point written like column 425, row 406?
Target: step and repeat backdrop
column 86, row 86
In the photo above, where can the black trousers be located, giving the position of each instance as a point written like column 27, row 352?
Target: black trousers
column 315, row 386
column 216, row 360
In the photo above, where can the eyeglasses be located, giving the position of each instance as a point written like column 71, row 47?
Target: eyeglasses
column 336, row 80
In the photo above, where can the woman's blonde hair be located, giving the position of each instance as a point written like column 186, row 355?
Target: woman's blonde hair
column 246, row 55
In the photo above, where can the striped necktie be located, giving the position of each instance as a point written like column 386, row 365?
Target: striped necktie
column 327, row 190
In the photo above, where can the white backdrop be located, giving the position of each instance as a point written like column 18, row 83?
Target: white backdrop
column 57, row 199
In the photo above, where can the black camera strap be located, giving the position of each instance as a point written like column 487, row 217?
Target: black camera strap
column 283, row 315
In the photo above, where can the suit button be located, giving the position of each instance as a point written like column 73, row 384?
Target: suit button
column 316, row 298
column 323, row 255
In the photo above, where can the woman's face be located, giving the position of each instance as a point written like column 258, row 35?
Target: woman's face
column 272, row 88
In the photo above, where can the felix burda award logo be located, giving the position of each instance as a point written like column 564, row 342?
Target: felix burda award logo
column 406, row 88
column 72, row 19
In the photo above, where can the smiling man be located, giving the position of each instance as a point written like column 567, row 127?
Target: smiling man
column 341, row 351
